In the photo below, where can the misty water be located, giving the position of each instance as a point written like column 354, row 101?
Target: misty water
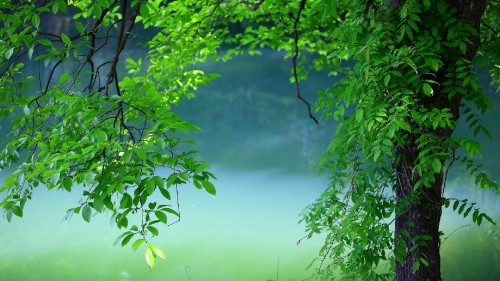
column 261, row 144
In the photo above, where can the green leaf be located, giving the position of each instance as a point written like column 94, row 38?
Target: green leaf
column 62, row 6
column 79, row 27
column 150, row 257
column 86, row 212
column 209, row 187
column 475, row 215
column 359, row 114
column 137, row 244
column 63, row 78
column 434, row 64
column 119, row 238
column 488, row 218
column 144, row 10
column 153, row 230
column 462, row 47
column 127, row 239
column 416, row 266
column 55, row 7
column 97, row 11
column 88, row 177
column 426, row 237
column 184, row 177
column 466, row 81
column 108, row 203
column 413, row 25
column 200, row 168
column 67, row 183
column 119, row 187
column 157, row 251
column 101, row 136
column 404, row 11
column 98, row 204
column 427, row 89
column 35, row 20
column 467, row 211
column 26, row 110
column 126, row 201
column 30, row 53
column 171, row 211
column 387, row 78
column 390, row 133
column 127, row 155
column 161, row 216
column 103, row 3
column 159, row 182
column 427, row 3
column 8, row 214
column 9, row 53
column 150, row 186
column 66, row 39
column 376, row 154
column 45, row 42
column 17, row 210
column 142, row 154
column 123, row 221
column 165, row 193
column 441, row 7
column 436, row 165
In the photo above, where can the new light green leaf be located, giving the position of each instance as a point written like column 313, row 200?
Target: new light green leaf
column 150, row 257
column 26, row 110
column 9, row 53
column 137, row 244
column 66, row 39
column 157, row 251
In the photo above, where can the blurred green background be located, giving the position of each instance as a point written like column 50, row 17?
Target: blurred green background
column 261, row 144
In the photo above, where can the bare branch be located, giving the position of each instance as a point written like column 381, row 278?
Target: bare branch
column 294, row 61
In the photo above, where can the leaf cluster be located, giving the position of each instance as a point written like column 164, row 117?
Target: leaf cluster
column 102, row 128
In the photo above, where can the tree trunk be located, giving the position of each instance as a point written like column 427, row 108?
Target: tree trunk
column 420, row 216
column 421, row 209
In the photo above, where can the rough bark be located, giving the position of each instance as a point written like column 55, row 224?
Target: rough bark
column 421, row 214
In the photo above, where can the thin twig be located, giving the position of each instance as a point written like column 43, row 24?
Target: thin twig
column 446, row 238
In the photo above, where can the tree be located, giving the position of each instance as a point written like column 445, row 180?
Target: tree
column 408, row 79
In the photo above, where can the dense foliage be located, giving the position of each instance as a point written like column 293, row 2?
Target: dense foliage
column 408, row 71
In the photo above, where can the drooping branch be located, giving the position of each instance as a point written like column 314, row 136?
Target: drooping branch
column 489, row 27
column 93, row 38
column 122, row 40
column 294, row 61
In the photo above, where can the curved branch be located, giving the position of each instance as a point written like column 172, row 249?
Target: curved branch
column 489, row 27
column 122, row 40
column 294, row 61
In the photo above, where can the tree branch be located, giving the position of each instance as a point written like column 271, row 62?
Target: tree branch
column 294, row 61
column 122, row 40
